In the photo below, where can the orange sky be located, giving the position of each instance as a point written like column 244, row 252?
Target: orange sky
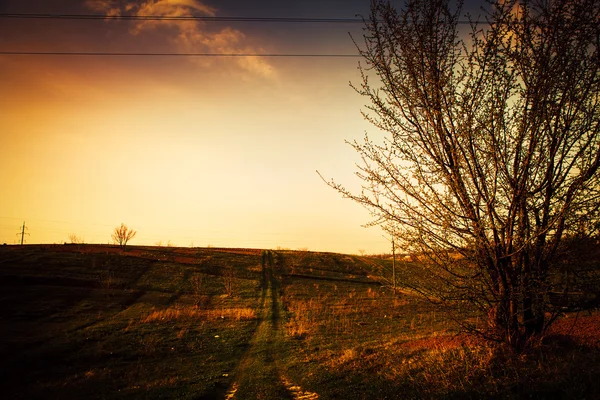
column 188, row 150
column 219, row 151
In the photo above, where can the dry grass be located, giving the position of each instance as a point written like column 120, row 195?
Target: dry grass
column 304, row 316
column 189, row 313
column 323, row 313
column 369, row 341
column 346, row 356
column 451, row 366
column 582, row 328
column 344, row 313
column 443, row 368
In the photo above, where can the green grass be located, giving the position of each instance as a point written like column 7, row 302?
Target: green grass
column 101, row 323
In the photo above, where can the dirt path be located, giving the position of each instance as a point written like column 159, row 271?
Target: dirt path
column 258, row 375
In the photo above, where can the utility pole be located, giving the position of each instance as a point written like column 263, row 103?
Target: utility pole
column 394, row 263
column 22, row 233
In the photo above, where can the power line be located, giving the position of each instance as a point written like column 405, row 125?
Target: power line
column 180, row 18
column 116, row 54
column 191, row 18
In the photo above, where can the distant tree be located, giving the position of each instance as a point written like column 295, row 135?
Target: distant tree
column 197, row 282
column 228, row 278
column 74, row 239
column 491, row 152
column 122, row 235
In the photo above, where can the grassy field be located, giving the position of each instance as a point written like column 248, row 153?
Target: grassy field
column 99, row 322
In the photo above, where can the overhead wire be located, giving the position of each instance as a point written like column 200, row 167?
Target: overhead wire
column 191, row 18
column 179, row 18
column 175, row 18
column 127, row 54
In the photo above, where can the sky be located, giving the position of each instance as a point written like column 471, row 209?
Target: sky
column 191, row 151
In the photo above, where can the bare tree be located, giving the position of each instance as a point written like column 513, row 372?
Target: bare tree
column 197, row 282
column 122, row 235
column 228, row 278
column 491, row 149
column 74, row 239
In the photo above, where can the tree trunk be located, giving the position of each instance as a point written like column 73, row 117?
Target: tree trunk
column 533, row 314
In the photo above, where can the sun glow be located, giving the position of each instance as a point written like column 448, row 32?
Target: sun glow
column 187, row 150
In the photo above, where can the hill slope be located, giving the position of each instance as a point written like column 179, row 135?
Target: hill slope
column 157, row 322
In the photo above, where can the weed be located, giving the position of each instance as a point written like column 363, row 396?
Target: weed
column 182, row 332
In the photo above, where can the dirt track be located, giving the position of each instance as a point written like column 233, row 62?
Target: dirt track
column 259, row 374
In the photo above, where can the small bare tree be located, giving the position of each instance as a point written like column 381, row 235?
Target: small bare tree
column 122, row 235
column 197, row 283
column 228, row 279
column 491, row 151
column 74, row 239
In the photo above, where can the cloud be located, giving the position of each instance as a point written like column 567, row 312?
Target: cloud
column 174, row 8
column 108, row 7
column 188, row 36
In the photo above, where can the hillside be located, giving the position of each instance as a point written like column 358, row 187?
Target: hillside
column 99, row 322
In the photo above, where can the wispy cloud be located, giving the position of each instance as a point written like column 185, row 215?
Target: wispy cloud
column 188, row 36
column 108, row 7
